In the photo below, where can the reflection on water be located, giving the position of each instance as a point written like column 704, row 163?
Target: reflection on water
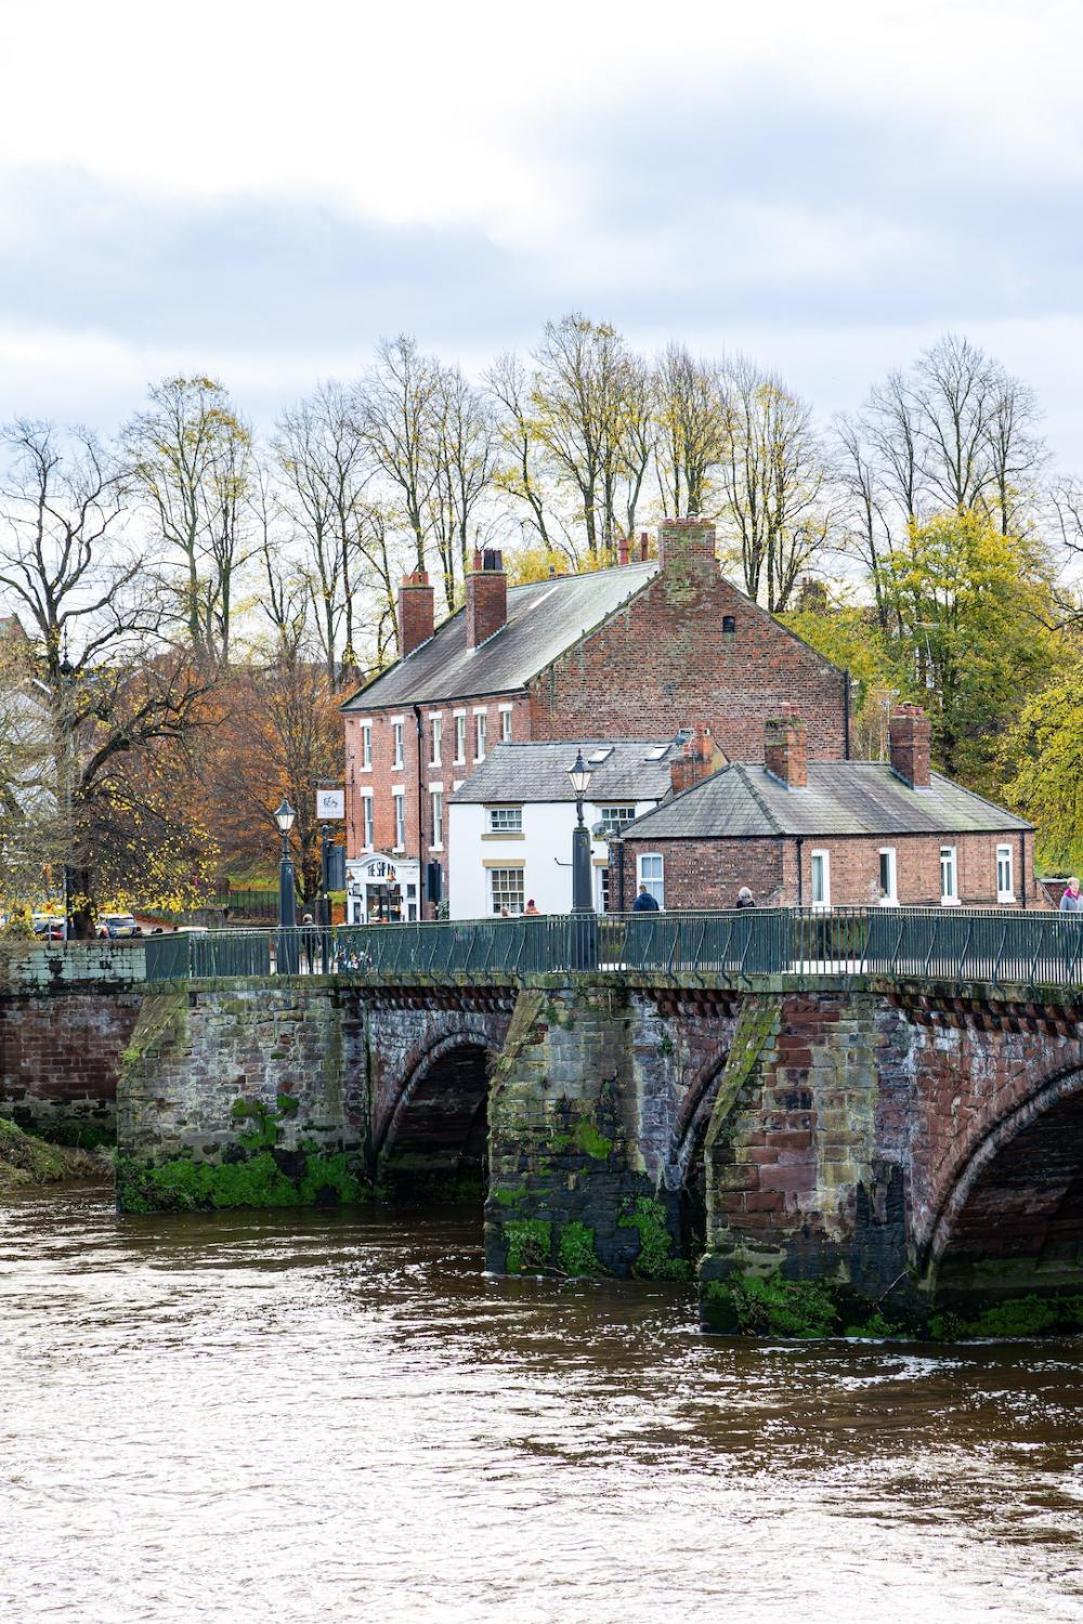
column 336, row 1416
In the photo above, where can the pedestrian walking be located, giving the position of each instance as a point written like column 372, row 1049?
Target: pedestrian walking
column 644, row 902
column 1072, row 900
column 308, row 941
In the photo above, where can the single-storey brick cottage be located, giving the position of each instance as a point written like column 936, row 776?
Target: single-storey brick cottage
column 828, row 833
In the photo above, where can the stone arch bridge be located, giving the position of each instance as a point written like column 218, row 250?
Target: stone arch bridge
column 912, row 1137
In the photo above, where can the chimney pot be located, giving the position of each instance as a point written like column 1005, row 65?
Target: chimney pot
column 910, row 736
column 417, row 611
column 686, row 539
column 644, row 546
column 785, row 748
column 486, row 597
column 695, row 762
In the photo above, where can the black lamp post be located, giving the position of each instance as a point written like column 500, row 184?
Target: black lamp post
column 583, row 925
column 287, row 956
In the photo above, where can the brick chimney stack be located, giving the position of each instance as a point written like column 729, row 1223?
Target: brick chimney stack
column 696, row 761
column 785, row 748
column 685, row 540
column 486, row 597
column 910, row 733
column 417, row 611
column 622, row 551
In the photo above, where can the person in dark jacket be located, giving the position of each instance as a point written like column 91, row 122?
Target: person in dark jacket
column 644, row 902
column 745, row 899
column 1072, row 900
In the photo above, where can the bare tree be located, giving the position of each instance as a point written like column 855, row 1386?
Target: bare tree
column 690, row 434
column 773, row 478
column 578, row 400
column 395, row 406
column 866, row 530
column 519, row 472
column 462, row 453
column 188, row 455
column 321, row 453
column 94, row 615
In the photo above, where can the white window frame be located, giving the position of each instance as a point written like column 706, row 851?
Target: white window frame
column 368, row 825
column 398, row 747
column 495, row 905
column 366, row 747
column 613, row 826
column 505, row 820
column 398, row 801
column 1005, row 854
column 949, row 899
column 481, row 730
column 436, row 817
column 891, row 892
column 436, row 741
column 505, row 724
column 460, row 737
column 655, row 883
column 823, row 903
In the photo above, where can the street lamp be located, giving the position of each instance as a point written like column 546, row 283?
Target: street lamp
column 287, row 955
column 581, row 888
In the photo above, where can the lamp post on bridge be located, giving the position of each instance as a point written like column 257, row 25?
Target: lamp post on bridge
column 584, row 924
column 287, row 957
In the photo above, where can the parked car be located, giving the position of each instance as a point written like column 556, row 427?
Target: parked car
column 51, row 926
column 115, row 925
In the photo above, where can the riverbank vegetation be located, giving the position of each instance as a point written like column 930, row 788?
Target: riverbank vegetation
column 26, row 1160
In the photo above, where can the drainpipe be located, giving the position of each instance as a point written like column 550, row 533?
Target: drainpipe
column 846, row 714
column 1023, row 865
column 421, row 902
column 800, row 889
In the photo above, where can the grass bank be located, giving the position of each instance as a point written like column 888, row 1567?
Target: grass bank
column 26, row 1160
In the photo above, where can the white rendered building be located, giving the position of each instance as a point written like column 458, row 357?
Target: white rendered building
column 510, row 823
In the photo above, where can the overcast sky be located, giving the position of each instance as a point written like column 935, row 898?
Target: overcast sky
column 260, row 192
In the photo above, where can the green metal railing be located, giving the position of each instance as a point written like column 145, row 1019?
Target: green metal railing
column 942, row 944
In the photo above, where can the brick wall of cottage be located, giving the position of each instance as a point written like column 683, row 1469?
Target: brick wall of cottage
column 709, row 873
column 665, row 660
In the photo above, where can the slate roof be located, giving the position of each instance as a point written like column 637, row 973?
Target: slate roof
column 539, row 772
column 544, row 618
column 842, row 798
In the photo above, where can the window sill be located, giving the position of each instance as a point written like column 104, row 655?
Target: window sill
column 1006, row 897
column 503, row 834
column 950, row 902
column 436, row 848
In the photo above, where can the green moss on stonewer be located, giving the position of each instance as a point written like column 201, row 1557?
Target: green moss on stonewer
column 575, row 1250
column 529, row 1243
column 654, row 1260
column 185, row 1185
column 768, row 1305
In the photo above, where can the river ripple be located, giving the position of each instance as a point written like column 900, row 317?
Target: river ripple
column 332, row 1416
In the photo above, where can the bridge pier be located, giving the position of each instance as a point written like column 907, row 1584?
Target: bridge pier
column 571, row 1190
column 805, row 1153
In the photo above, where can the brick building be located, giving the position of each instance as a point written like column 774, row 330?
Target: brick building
column 828, row 834
column 632, row 652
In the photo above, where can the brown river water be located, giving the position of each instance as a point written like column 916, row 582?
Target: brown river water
column 329, row 1416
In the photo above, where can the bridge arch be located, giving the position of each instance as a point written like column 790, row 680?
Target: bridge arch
column 686, row 1164
column 1012, row 1220
column 436, row 1137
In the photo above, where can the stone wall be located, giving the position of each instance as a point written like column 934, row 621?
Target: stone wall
column 243, row 1094
column 66, row 1014
column 60, row 1057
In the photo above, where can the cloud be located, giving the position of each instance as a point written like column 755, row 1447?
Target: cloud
column 829, row 186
